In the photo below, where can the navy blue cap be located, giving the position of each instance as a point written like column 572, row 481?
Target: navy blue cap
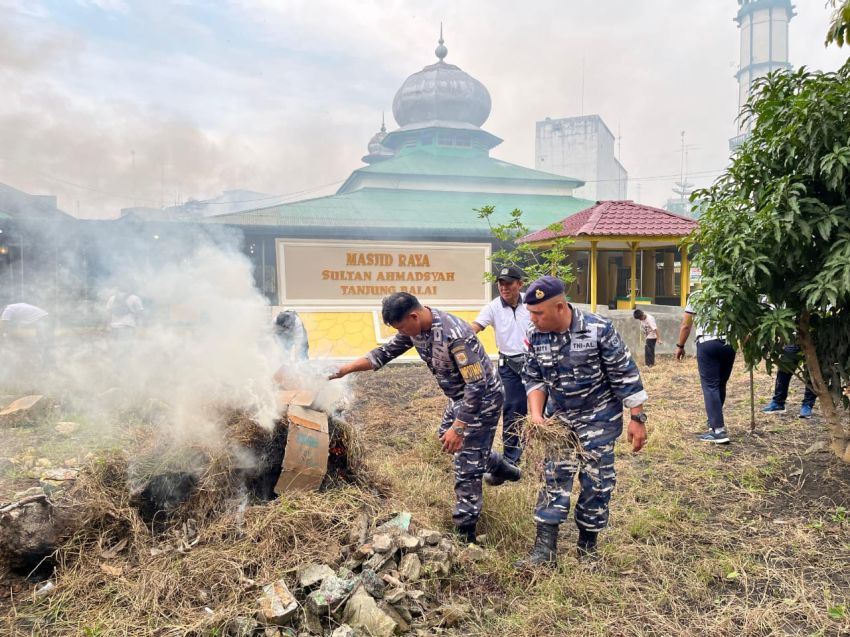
column 544, row 288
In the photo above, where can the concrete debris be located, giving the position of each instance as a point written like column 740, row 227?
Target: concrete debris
column 407, row 542
column 277, row 604
column 400, row 521
column 394, row 595
column 362, row 612
column 331, row 594
column 410, row 568
column 431, row 538
column 474, row 553
column 372, row 582
column 381, row 561
column 436, row 561
column 360, row 530
column 313, row 623
column 382, row 543
column 241, row 627
column 392, row 613
column 344, row 631
column 312, row 574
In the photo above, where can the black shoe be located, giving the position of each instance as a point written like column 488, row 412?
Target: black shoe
column 466, row 533
column 505, row 471
column 545, row 548
column 586, row 547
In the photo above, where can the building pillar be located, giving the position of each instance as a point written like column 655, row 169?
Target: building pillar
column 613, row 280
column 685, row 275
column 593, row 275
column 633, row 285
column 669, row 273
column 648, row 284
column 604, row 287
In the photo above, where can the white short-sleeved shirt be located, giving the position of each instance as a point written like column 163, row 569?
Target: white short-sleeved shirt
column 123, row 314
column 22, row 313
column 648, row 326
column 509, row 323
column 699, row 330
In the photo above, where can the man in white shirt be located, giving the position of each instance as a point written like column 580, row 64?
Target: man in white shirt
column 649, row 329
column 510, row 320
column 24, row 326
column 715, row 359
column 125, row 311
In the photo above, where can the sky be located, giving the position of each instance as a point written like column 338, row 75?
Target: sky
column 113, row 103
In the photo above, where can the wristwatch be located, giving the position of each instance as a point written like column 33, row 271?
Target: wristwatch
column 641, row 418
column 460, row 431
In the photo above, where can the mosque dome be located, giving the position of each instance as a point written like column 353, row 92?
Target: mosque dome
column 441, row 94
column 377, row 150
column 375, row 146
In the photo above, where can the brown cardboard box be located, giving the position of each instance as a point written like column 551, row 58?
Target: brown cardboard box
column 305, row 461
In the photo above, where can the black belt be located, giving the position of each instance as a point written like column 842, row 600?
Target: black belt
column 515, row 361
column 512, row 356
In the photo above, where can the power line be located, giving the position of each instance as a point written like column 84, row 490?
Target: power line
column 657, row 177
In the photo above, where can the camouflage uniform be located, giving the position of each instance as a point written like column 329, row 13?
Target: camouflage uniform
column 467, row 377
column 589, row 375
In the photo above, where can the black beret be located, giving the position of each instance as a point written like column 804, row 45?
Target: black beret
column 544, row 288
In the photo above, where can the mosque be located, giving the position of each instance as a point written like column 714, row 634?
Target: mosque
column 404, row 221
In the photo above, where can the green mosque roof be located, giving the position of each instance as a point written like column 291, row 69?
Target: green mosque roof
column 413, row 209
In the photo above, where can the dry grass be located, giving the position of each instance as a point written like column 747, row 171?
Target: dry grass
column 748, row 539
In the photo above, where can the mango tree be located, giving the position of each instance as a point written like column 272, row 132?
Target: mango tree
column 774, row 236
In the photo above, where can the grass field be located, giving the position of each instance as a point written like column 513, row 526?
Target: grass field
column 751, row 538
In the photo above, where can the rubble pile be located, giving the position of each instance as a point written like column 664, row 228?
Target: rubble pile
column 384, row 584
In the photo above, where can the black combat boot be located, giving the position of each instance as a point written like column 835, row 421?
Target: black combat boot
column 545, row 548
column 586, row 550
column 466, row 533
column 505, row 471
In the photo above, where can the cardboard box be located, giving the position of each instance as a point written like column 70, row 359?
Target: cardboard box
column 299, row 397
column 305, row 461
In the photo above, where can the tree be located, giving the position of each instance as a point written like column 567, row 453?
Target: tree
column 840, row 23
column 774, row 236
column 535, row 263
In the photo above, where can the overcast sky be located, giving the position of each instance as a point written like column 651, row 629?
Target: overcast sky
column 107, row 103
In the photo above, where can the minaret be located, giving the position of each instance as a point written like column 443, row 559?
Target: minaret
column 764, row 46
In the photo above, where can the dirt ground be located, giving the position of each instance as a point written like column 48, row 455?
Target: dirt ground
column 750, row 538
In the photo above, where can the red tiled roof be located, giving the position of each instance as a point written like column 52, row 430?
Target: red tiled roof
column 618, row 218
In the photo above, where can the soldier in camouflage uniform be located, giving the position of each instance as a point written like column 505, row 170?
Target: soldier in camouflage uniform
column 467, row 377
column 580, row 362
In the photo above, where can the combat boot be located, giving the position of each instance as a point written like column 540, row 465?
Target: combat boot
column 466, row 533
column 505, row 471
column 544, row 552
column 586, row 548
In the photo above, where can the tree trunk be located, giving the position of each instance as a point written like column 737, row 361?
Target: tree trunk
column 832, row 413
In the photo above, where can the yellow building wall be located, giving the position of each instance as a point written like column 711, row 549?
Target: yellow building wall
column 343, row 335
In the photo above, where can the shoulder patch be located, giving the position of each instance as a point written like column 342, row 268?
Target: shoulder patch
column 471, row 373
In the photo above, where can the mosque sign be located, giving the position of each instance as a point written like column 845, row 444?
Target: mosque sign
column 361, row 273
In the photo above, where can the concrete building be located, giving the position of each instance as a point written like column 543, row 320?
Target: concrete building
column 764, row 47
column 582, row 147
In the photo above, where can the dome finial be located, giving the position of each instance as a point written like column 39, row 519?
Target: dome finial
column 383, row 124
column 441, row 51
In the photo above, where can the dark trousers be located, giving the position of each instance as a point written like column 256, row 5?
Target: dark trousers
column 714, row 360
column 514, row 412
column 788, row 364
column 649, row 352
